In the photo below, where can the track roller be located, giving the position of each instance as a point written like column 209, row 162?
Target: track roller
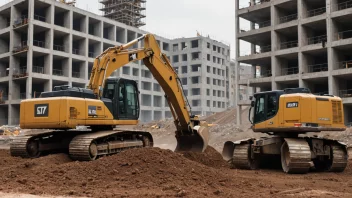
column 339, row 158
column 295, row 156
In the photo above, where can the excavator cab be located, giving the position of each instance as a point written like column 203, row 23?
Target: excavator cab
column 121, row 97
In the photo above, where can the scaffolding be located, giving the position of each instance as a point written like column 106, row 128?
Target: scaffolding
column 129, row 12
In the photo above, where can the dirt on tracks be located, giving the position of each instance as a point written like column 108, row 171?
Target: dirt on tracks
column 154, row 172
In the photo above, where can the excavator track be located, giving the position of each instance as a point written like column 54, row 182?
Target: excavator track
column 295, row 156
column 339, row 158
column 242, row 157
column 89, row 146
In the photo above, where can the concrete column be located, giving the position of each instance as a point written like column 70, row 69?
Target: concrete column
column 52, row 14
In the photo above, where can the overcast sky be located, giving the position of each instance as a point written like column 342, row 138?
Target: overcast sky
column 183, row 18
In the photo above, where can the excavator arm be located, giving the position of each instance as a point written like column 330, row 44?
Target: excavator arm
column 190, row 133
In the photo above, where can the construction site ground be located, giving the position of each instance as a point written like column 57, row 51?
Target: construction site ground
column 160, row 172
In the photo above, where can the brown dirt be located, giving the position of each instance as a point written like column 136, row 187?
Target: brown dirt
column 155, row 172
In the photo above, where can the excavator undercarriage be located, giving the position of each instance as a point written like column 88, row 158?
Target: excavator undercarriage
column 296, row 154
column 80, row 145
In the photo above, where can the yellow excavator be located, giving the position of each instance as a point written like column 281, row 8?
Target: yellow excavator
column 107, row 102
column 286, row 115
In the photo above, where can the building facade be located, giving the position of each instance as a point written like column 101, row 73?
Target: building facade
column 44, row 43
column 297, row 43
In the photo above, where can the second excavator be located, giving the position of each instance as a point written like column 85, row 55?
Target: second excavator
column 106, row 102
column 286, row 116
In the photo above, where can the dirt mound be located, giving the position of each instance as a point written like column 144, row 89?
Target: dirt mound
column 146, row 172
column 210, row 157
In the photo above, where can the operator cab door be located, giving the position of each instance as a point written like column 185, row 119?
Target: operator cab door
column 266, row 107
column 127, row 103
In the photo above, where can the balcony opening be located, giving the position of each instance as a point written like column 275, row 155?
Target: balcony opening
column 109, row 31
column 341, row 4
column 342, row 27
column 183, row 46
column 175, row 59
column 287, row 65
column 166, row 46
column 4, row 65
column 78, row 45
column 126, row 70
column 184, row 57
column 61, row 41
column 39, row 86
column 319, row 86
column 196, row 68
column 313, row 8
column 19, row 68
column 131, row 36
column 261, row 44
column 20, row 41
column 195, row 91
column 5, row 43
column 175, row 47
column 94, row 48
column 41, row 64
column 146, row 73
column 79, row 22
column 344, row 84
column 19, row 90
column 343, row 58
column 146, row 100
column 94, row 27
column 60, row 66
column 184, row 81
column 41, row 37
column 315, row 33
column 156, row 87
column 62, row 17
column 20, row 14
column 287, row 38
column 184, row 70
column 196, row 56
column 107, row 45
column 196, row 103
column 286, row 12
column 315, row 61
column 254, row 20
column 78, row 68
column 158, row 115
column 42, row 11
column 5, row 18
column 195, row 44
column 120, row 35
column 157, row 100
column 4, row 92
column 135, row 72
column 263, row 69
column 196, row 80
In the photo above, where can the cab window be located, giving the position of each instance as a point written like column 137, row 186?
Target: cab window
column 259, row 115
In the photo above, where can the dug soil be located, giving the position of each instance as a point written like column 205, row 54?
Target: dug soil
column 155, row 172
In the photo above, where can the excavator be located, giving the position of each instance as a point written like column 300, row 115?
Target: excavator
column 106, row 103
column 286, row 116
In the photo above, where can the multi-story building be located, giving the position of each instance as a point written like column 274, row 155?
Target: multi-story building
column 203, row 66
column 44, row 43
column 298, row 43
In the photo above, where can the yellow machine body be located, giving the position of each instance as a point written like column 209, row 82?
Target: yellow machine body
column 68, row 112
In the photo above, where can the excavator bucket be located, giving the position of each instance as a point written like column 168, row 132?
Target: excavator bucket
column 197, row 142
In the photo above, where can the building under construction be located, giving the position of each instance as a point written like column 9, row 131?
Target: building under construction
column 129, row 12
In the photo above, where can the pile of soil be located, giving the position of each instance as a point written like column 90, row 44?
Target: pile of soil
column 147, row 172
column 210, row 157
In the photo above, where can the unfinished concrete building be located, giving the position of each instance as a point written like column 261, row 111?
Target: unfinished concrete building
column 129, row 12
column 46, row 43
column 297, row 43
column 203, row 66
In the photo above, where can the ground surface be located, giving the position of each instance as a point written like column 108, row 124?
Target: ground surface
column 155, row 172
